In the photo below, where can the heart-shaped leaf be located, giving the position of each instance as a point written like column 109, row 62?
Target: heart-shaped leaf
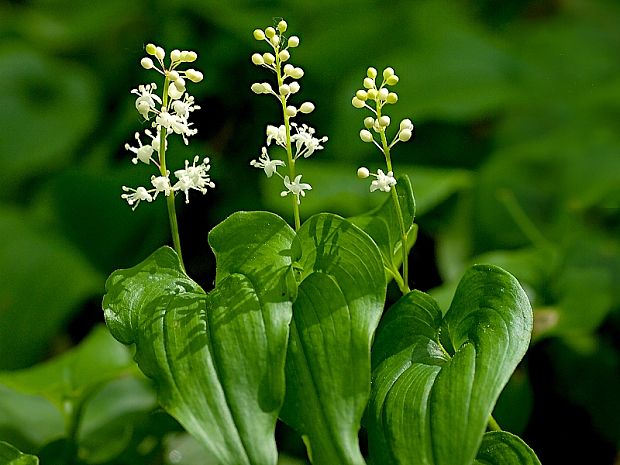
column 218, row 358
column 436, row 380
column 9, row 455
column 383, row 225
column 334, row 317
column 503, row 448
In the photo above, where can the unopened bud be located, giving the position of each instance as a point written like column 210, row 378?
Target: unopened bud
column 259, row 34
column 369, row 122
column 384, row 121
column 285, row 90
column 361, row 94
column 291, row 111
column 405, row 135
column 284, row 55
column 365, row 135
column 294, row 86
column 160, row 53
column 270, row 32
column 193, row 75
column 146, row 63
column 151, row 49
column 357, row 103
column 307, row 107
column 371, row 73
column 387, row 72
column 392, row 97
column 282, row 26
column 269, row 58
column 293, row 41
column 362, row 172
column 392, row 80
column 369, row 83
column 258, row 59
column 175, row 55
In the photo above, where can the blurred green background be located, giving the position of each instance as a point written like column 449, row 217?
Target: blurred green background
column 516, row 161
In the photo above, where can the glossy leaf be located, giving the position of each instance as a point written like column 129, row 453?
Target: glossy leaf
column 9, row 455
column 436, row 380
column 504, row 448
column 383, row 226
column 218, row 358
column 340, row 301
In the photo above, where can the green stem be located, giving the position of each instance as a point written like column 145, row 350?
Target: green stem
column 401, row 221
column 172, row 214
column 493, row 425
column 289, row 148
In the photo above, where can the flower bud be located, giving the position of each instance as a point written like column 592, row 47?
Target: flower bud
column 383, row 94
column 270, row 32
column 172, row 75
column 257, row 59
column 392, row 97
column 175, row 55
column 269, row 58
column 384, row 121
column 284, row 55
column 405, row 135
column 365, row 135
column 291, row 111
column 406, row 124
column 307, row 107
column 160, row 53
column 392, row 80
column 297, row 73
column 293, row 41
column 285, row 90
column 179, row 83
column 266, row 87
column 191, row 56
column 193, row 75
column 371, row 73
column 357, row 103
column 174, row 92
column 369, row 122
column 288, row 69
column 282, row 26
column 146, row 63
column 275, row 40
column 369, row 83
column 387, row 72
column 362, row 172
column 372, row 94
column 151, row 49
column 257, row 88
column 259, row 34
column 294, row 86
column 362, row 95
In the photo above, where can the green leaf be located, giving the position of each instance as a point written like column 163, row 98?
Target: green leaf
column 334, row 317
column 9, row 455
column 503, row 448
column 436, row 380
column 218, row 358
column 383, row 226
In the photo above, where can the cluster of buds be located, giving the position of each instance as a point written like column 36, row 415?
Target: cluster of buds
column 375, row 126
column 169, row 114
column 289, row 134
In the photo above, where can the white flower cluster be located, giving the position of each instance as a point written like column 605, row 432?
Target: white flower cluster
column 378, row 123
column 288, row 135
column 169, row 114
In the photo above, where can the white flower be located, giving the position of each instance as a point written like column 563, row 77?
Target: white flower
column 161, row 184
column 135, row 196
column 384, row 182
column 175, row 123
column 296, row 188
column 183, row 108
column 264, row 162
column 143, row 152
column 146, row 99
column 305, row 142
column 193, row 177
column 278, row 134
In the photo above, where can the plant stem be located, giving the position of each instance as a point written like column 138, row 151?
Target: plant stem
column 493, row 425
column 172, row 214
column 289, row 148
column 403, row 231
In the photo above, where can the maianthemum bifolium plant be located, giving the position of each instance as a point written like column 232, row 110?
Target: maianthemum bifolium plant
column 296, row 326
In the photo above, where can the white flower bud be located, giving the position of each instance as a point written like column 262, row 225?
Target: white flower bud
column 404, row 135
column 257, row 59
column 179, row 83
column 257, row 88
column 406, row 124
column 369, row 122
column 284, row 55
column 392, row 97
column 372, row 94
column 146, row 63
column 384, row 121
column 270, row 32
column 383, row 94
column 293, row 41
column 282, row 26
column 266, row 88
column 291, row 111
column 387, row 72
column 362, row 95
column 371, row 73
column 297, row 73
column 275, row 40
column 392, row 80
column 269, row 58
column 294, row 86
column 362, row 172
column 174, row 92
column 259, row 34
column 369, row 83
column 160, row 53
column 285, row 90
column 307, row 107
column 191, row 56
column 193, row 75
column 357, row 103
column 172, row 75
column 365, row 135
column 151, row 49
column 288, row 69
column 175, row 55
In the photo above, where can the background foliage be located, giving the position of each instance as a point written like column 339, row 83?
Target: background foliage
column 516, row 162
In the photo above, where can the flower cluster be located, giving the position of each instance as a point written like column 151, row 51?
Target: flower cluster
column 297, row 140
column 168, row 114
column 375, row 126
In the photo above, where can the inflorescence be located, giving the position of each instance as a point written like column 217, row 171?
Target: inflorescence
column 169, row 114
column 288, row 135
column 375, row 126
